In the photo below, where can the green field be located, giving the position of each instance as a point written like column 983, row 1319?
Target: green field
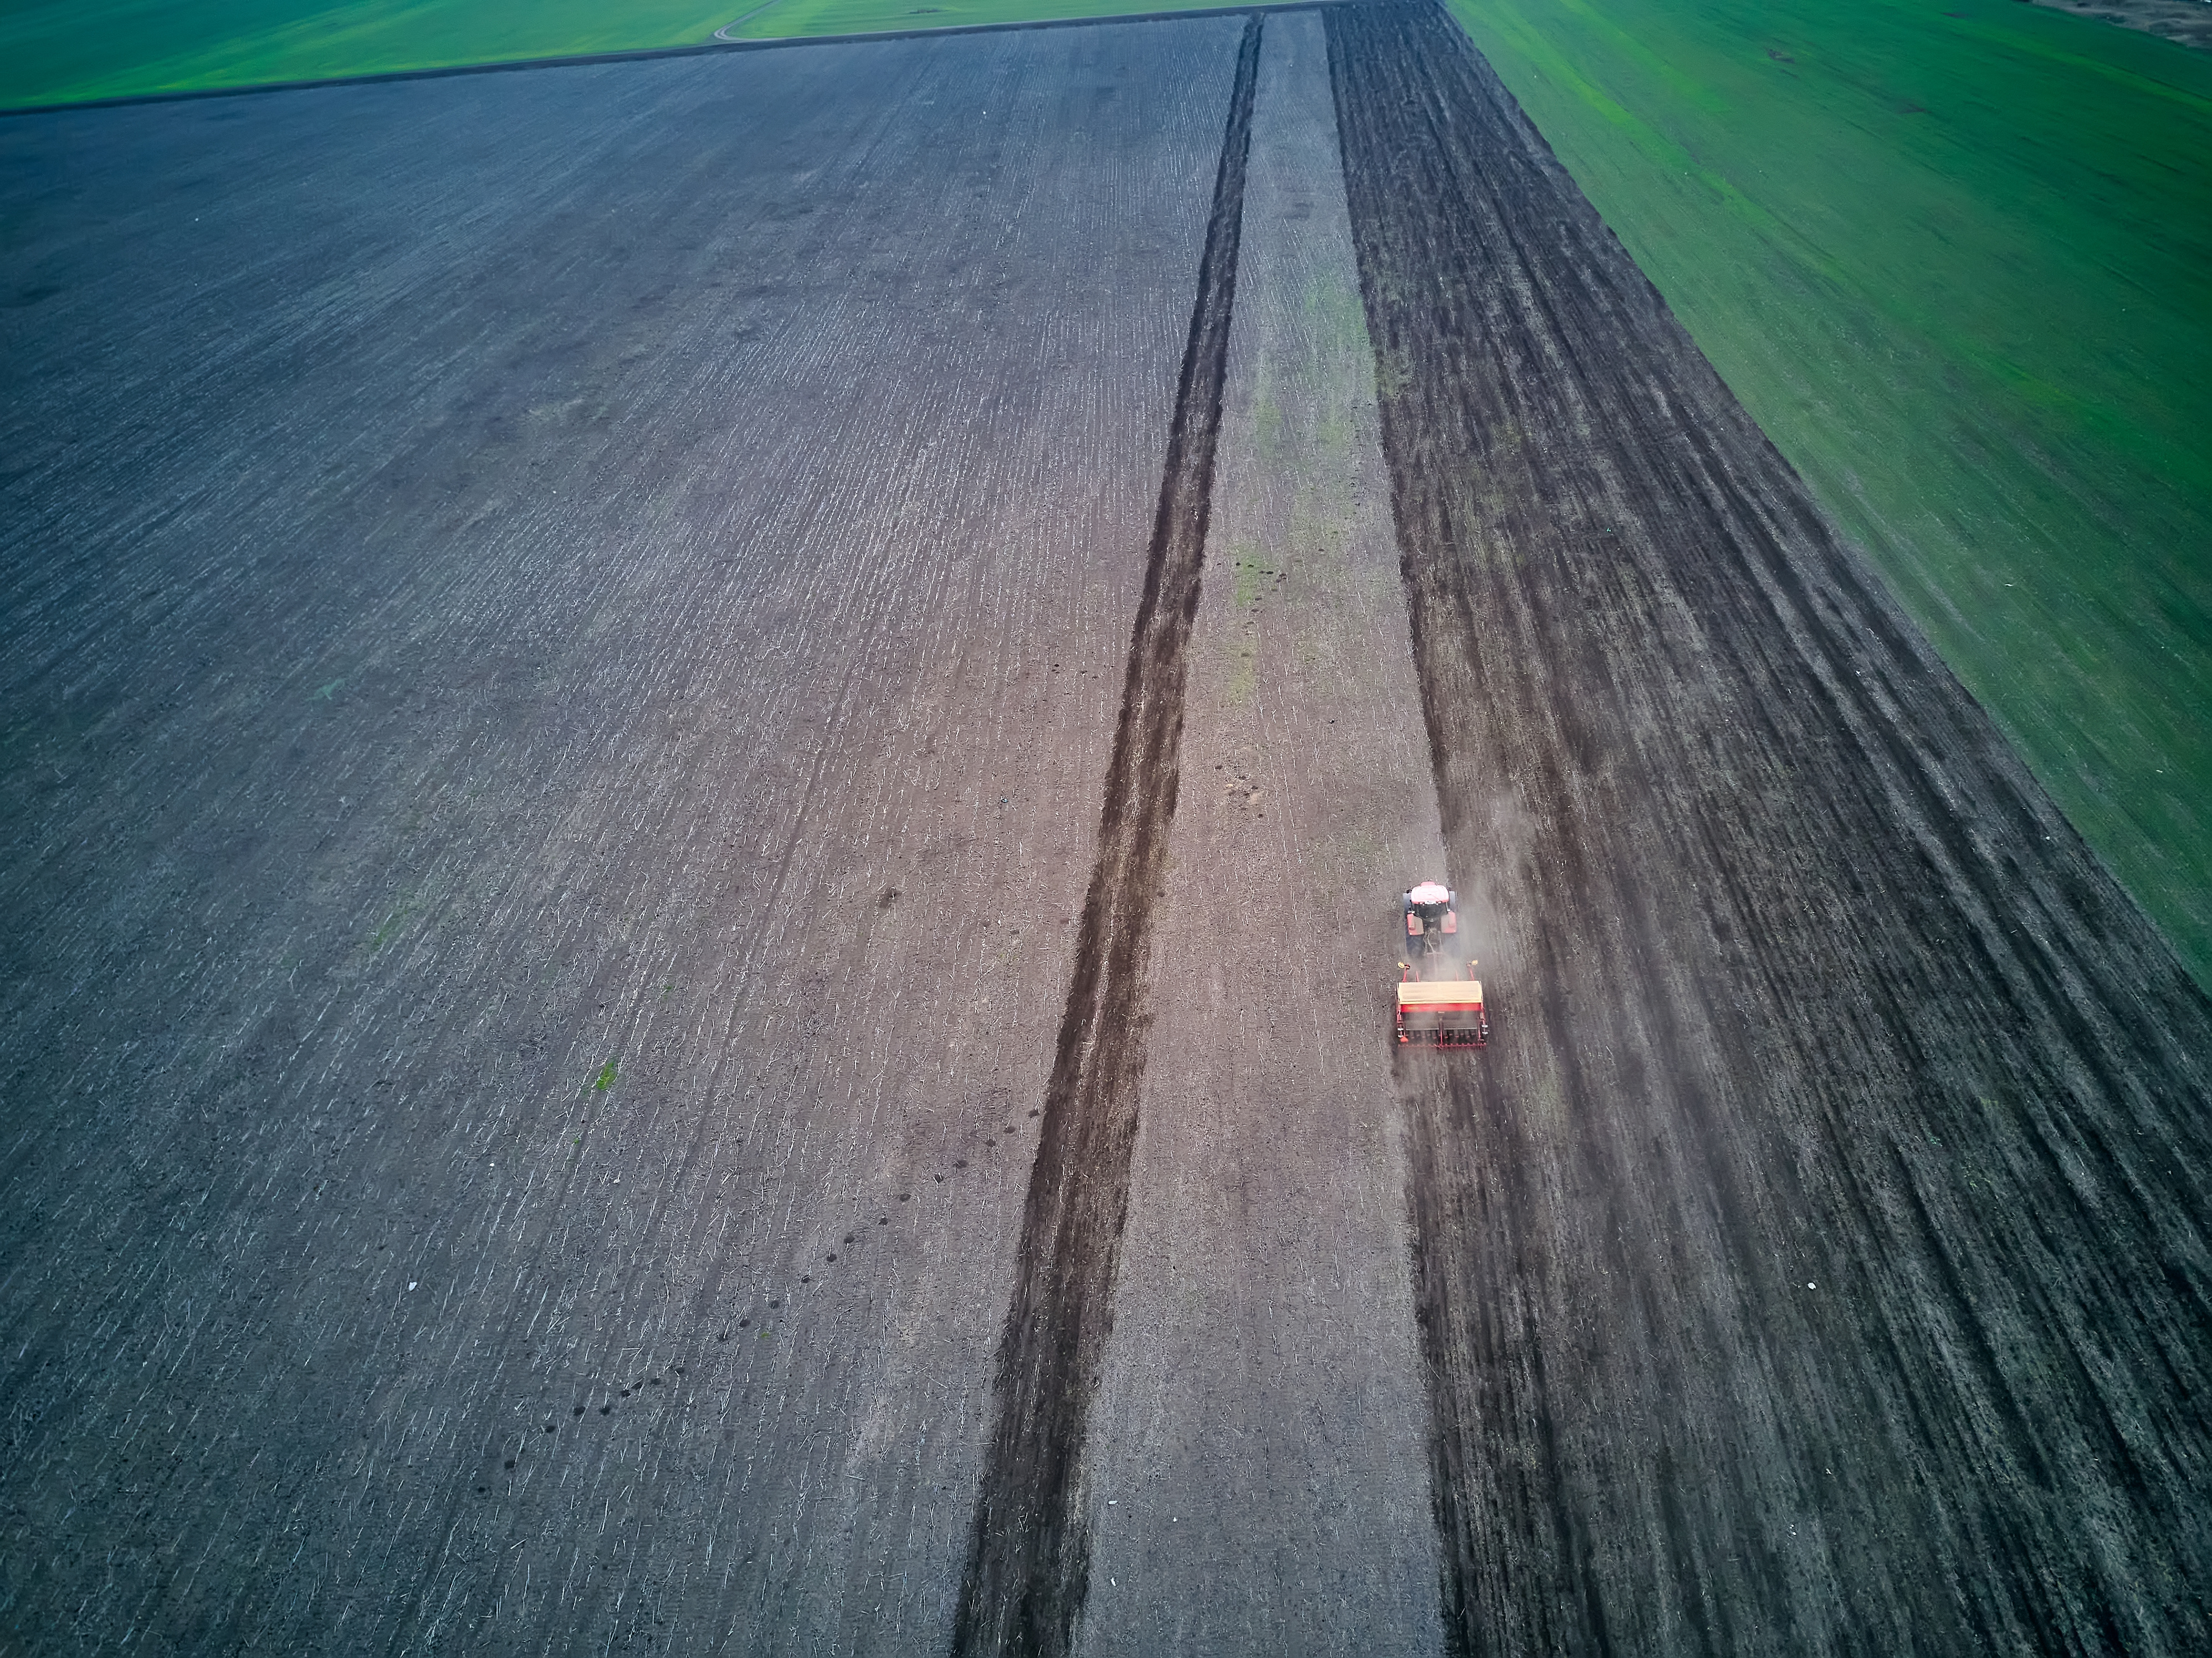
column 54, row 52
column 1956, row 257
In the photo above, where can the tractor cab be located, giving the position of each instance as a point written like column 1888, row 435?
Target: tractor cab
column 1432, row 922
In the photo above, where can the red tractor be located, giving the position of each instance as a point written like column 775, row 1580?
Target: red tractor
column 1439, row 999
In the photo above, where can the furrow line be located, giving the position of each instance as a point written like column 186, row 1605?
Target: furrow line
column 1029, row 1552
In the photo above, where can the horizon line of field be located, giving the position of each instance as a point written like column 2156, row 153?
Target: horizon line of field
column 645, row 54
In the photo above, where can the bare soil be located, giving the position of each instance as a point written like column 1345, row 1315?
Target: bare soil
column 2186, row 23
column 1256, row 1475
column 615, row 575
column 1029, row 1563
column 1816, row 1259
column 701, row 766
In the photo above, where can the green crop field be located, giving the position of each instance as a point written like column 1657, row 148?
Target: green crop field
column 54, row 52
column 1956, row 257
column 66, row 50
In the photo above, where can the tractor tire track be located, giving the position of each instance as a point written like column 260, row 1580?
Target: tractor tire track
column 1816, row 1259
column 1028, row 1556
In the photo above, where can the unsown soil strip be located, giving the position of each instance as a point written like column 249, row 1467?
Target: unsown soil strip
column 1817, row 1259
column 1028, row 1556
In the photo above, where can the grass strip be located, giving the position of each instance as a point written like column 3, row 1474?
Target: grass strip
column 55, row 53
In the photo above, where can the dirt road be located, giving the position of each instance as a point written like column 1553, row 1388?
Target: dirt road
column 1816, row 1261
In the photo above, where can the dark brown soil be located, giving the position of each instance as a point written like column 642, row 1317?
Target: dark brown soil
column 1816, row 1259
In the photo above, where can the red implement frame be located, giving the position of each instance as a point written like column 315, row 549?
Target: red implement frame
column 1455, row 1024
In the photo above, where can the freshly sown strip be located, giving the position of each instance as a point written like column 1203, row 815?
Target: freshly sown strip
column 1256, row 1473
column 1820, row 1238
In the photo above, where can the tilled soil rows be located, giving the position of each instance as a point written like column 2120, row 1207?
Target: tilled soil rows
column 566, row 634
column 1029, row 1557
column 1816, row 1259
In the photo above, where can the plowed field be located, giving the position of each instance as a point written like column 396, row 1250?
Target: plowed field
column 1816, row 1261
column 705, row 763
column 566, row 633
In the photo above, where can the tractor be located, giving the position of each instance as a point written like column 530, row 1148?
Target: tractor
column 1439, row 998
